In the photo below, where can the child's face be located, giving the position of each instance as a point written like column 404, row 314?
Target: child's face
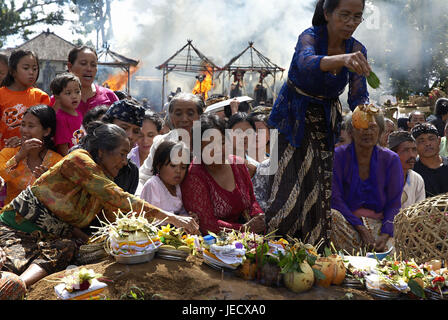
column 26, row 72
column 149, row 131
column 3, row 71
column 31, row 127
column 173, row 174
column 70, row 97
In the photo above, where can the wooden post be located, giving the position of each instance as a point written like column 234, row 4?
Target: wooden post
column 273, row 91
column 129, row 81
column 223, row 79
column 163, row 88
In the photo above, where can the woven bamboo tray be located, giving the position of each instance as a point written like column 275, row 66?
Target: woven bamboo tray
column 420, row 230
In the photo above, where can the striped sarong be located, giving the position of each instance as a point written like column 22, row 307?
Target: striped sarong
column 345, row 237
column 300, row 190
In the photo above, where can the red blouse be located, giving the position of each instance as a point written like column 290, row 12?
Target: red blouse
column 216, row 207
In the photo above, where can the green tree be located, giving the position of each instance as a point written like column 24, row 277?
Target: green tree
column 411, row 45
column 16, row 20
column 95, row 15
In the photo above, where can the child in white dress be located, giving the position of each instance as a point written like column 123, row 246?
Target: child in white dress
column 163, row 188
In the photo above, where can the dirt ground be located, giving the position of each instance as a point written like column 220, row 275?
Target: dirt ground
column 187, row 280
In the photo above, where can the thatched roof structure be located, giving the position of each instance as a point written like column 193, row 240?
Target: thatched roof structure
column 47, row 45
column 50, row 47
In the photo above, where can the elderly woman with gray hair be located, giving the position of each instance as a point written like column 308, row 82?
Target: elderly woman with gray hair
column 366, row 192
column 184, row 108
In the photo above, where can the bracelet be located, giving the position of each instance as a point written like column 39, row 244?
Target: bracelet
column 11, row 164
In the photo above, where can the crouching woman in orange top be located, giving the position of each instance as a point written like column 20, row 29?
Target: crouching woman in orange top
column 39, row 227
column 21, row 166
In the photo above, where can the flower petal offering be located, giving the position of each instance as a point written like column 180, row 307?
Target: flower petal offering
column 81, row 284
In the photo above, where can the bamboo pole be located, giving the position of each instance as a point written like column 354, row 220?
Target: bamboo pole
column 163, row 88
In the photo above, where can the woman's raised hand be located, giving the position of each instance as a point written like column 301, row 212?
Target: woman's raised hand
column 27, row 146
column 357, row 62
column 234, row 105
column 13, row 142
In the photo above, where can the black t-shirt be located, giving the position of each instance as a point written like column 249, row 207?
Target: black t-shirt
column 438, row 123
column 436, row 180
column 127, row 178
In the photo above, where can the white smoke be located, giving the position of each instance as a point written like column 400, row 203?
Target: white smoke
column 219, row 29
column 152, row 31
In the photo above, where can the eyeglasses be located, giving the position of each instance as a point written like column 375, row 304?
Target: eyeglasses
column 345, row 17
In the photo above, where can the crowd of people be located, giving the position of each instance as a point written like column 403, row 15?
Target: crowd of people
column 75, row 155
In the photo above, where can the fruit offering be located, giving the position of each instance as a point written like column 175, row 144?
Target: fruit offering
column 176, row 239
column 363, row 115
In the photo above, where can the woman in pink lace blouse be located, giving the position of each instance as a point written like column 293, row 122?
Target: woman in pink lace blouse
column 220, row 192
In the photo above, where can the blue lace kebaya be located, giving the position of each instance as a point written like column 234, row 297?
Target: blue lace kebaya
column 288, row 113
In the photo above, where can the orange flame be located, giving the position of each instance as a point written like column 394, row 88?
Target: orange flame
column 204, row 87
column 118, row 81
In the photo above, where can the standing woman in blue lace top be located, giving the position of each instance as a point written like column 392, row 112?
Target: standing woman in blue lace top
column 307, row 114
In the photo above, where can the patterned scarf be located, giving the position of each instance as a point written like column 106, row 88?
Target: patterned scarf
column 127, row 111
column 30, row 208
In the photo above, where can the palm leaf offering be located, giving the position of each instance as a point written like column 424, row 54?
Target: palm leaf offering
column 372, row 79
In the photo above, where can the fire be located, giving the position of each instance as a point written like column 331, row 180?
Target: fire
column 204, row 87
column 118, row 81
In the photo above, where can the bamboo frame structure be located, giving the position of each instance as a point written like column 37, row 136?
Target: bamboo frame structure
column 117, row 60
column 187, row 59
column 258, row 63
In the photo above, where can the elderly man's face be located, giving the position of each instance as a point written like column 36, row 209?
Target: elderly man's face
column 427, row 145
column 407, row 151
column 416, row 118
column 367, row 138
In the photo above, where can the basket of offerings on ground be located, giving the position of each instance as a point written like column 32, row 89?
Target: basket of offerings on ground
column 176, row 244
column 420, row 230
column 131, row 238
